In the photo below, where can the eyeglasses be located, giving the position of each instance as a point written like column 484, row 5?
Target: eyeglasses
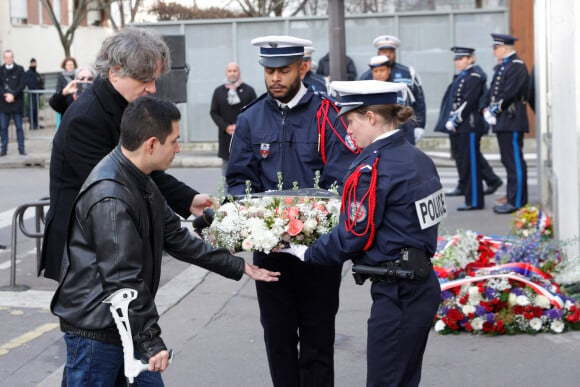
column 89, row 79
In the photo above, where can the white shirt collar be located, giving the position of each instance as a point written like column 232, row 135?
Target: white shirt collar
column 294, row 101
column 385, row 135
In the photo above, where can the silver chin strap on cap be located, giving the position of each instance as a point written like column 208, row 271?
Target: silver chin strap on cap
column 120, row 301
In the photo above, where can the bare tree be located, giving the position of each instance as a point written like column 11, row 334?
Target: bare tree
column 79, row 14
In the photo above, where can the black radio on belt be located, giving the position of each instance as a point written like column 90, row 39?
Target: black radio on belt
column 413, row 265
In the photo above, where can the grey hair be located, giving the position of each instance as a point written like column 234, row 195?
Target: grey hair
column 85, row 68
column 136, row 52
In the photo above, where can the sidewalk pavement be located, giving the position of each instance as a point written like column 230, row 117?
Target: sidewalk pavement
column 38, row 144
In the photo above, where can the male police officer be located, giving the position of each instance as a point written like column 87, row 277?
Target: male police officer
column 387, row 45
column 506, row 113
column 292, row 132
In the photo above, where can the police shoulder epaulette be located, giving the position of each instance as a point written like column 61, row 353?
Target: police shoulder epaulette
column 474, row 74
column 254, row 101
column 518, row 61
column 325, row 95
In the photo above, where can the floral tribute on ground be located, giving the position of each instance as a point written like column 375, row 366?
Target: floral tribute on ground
column 506, row 285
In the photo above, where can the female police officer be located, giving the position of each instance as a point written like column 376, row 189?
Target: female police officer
column 392, row 204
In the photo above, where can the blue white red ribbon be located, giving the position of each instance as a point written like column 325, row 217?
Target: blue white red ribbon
column 554, row 299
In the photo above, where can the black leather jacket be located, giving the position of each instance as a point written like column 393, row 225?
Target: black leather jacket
column 117, row 233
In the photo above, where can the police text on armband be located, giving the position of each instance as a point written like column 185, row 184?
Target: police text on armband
column 431, row 209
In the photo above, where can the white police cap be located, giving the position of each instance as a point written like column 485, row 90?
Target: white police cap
column 386, row 41
column 358, row 93
column 280, row 51
column 308, row 52
column 379, row 60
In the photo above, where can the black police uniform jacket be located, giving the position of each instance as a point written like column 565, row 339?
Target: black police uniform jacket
column 269, row 140
column 88, row 131
column 469, row 88
column 118, row 230
column 14, row 82
column 409, row 204
column 508, row 88
column 403, row 74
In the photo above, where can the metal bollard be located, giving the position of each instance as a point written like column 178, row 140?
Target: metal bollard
column 18, row 218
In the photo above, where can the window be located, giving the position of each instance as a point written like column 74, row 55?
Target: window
column 18, row 11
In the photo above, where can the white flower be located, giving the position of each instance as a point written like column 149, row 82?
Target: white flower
column 523, row 300
column 467, row 309
column 512, row 299
column 477, row 324
column 439, row 326
column 542, row 302
column 557, row 326
column 310, row 225
column 474, row 295
column 536, row 324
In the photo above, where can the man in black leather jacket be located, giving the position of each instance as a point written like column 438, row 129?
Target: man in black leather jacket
column 118, row 230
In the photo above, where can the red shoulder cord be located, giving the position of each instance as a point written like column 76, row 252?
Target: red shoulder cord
column 349, row 198
column 322, row 118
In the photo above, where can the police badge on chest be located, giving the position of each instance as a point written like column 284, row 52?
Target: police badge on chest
column 265, row 150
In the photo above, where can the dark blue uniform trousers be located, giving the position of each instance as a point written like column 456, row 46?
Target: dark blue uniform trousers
column 469, row 168
column 512, row 158
column 487, row 173
column 401, row 317
column 299, row 311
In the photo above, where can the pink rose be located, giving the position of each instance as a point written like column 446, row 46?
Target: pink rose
column 295, row 227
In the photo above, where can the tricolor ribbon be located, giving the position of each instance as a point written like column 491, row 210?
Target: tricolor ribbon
column 554, row 299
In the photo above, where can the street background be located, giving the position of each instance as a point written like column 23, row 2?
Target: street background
column 213, row 325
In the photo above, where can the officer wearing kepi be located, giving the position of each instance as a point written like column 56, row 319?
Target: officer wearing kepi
column 461, row 118
column 387, row 45
column 392, row 204
column 286, row 136
column 506, row 113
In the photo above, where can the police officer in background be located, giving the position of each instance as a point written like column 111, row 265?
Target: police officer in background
column 393, row 202
column 460, row 117
column 387, row 45
column 381, row 70
column 310, row 79
column 292, row 132
column 505, row 112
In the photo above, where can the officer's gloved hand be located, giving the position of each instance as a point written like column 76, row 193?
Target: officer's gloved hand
column 489, row 118
column 450, row 125
column 295, row 250
column 418, row 133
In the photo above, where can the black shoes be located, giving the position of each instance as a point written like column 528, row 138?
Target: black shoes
column 466, row 207
column 492, row 188
column 2, row 154
column 456, row 192
column 504, row 209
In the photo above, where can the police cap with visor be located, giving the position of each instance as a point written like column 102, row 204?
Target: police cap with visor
column 378, row 61
column 503, row 39
column 355, row 94
column 460, row 52
column 280, row 51
column 386, row 41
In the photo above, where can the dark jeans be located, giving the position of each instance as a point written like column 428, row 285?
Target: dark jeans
column 94, row 363
column 4, row 122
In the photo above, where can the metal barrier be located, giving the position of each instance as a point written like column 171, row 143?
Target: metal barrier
column 18, row 217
